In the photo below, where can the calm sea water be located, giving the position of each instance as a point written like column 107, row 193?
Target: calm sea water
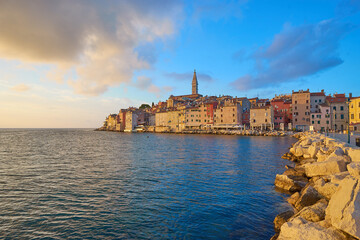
column 83, row 184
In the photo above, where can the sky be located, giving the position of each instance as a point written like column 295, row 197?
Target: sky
column 70, row 63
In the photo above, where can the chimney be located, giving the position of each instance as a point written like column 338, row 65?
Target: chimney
column 350, row 95
column 322, row 90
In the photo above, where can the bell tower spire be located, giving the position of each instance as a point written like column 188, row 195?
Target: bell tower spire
column 194, row 84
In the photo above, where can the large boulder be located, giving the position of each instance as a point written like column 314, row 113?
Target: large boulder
column 325, row 168
column 314, row 213
column 321, row 157
column 290, row 183
column 301, row 229
column 308, row 197
column 313, row 150
column 338, row 177
column 281, row 219
column 325, row 189
column 354, row 169
column 343, row 210
column 293, row 198
column 354, row 154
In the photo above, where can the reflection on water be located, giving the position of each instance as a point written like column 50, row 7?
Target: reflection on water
column 83, row 184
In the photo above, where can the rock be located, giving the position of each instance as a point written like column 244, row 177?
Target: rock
column 354, row 169
column 276, row 235
column 325, row 189
column 299, row 151
column 338, row 177
column 321, row 156
column 308, row 196
column 281, row 219
column 324, row 168
column 293, row 198
column 338, row 151
column 334, row 157
column 344, row 207
column 314, row 213
column 313, row 150
column 307, row 155
column 301, row 229
column 295, row 172
column 354, row 154
column 290, row 183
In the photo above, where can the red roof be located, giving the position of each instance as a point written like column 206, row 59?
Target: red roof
column 317, row 94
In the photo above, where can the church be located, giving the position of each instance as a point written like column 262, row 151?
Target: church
column 195, row 91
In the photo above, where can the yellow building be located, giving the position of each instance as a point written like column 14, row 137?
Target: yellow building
column 354, row 110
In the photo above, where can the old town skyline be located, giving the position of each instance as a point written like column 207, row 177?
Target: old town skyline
column 67, row 64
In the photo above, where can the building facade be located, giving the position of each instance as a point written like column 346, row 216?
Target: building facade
column 262, row 118
column 300, row 103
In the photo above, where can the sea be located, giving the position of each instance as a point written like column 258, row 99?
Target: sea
column 85, row 184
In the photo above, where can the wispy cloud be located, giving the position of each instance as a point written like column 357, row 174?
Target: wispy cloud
column 189, row 75
column 98, row 44
column 20, row 88
column 295, row 53
column 146, row 84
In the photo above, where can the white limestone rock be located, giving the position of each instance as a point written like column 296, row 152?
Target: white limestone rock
column 301, row 229
column 325, row 189
column 290, row 183
column 314, row 213
column 308, row 197
column 354, row 169
column 313, row 150
column 324, row 168
column 343, row 210
column 354, row 154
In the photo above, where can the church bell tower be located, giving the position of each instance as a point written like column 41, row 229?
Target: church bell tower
column 194, row 84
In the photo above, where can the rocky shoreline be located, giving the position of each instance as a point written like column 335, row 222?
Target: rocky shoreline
column 273, row 133
column 325, row 190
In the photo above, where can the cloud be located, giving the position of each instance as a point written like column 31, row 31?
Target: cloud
column 20, row 88
column 295, row 53
column 92, row 44
column 188, row 76
column 146, row 84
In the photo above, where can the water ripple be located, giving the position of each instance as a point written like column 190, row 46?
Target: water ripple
column 82, row 184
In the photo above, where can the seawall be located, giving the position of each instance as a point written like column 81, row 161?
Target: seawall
column 324, row 190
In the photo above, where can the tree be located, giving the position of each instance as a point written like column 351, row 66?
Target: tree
column 144, row 106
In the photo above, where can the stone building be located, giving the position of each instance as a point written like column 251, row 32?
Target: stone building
column 262, row 118
column 228, row 114
column 316, row 98
column 321, row 118
column 339, row 111
column 300, row 103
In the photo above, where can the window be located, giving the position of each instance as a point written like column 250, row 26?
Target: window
column 342, row 116
column 342, row 108
column 319, row 100
column 312, row 116
column 233, row 120
column 295, row 119
column 233, row 115
column 307, row 101
column 221, row 120
column 318, row 122
column 315, row 100
column 327, row 122
column 265, row 119
column 307, row 107
column 312, row 122
column 266, row 114
column 335, row 116
column 334, row 108
column 295, row 107
column 295, row 102
column 352, row 116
